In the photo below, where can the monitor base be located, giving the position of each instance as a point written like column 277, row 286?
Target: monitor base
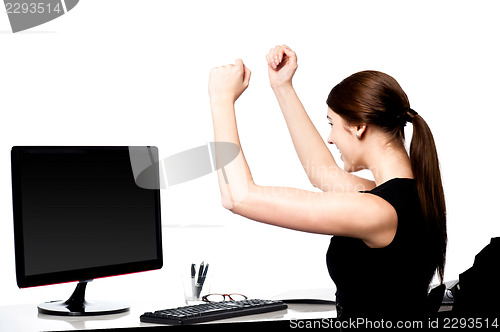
column 77, row 306
column 61, row 308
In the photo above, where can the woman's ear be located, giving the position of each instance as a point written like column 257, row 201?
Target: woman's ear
column 359, row 130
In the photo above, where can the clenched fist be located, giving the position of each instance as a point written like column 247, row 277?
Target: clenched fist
column 228, row 82
column 282, row 63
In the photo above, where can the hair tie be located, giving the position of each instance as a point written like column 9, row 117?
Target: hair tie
column 408, row 115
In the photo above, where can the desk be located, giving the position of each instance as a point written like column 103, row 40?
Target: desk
column 25, row 317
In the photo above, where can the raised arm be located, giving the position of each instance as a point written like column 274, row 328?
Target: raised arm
column 364, row 216
column 225, row 85
column 317, row 160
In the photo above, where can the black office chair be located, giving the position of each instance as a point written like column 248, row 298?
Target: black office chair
column 479, row 287
column 435, row 299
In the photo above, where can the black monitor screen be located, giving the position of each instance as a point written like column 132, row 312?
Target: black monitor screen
column 79, row 214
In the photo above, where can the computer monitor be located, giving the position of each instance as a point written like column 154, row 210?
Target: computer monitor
column 79, row 215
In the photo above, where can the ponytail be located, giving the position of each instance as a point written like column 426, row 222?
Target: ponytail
column 425, row 167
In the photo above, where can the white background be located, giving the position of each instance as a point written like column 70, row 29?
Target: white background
column 121, row 72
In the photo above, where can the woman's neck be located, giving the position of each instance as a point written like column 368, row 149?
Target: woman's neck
column 388, row 162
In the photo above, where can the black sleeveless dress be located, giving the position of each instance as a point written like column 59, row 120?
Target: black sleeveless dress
column 385, row 282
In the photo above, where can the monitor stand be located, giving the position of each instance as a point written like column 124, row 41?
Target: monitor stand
column 77, row 306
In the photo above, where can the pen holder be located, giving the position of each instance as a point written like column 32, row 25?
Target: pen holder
column 196, row 287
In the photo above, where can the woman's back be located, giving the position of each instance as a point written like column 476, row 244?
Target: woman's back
column 387, row 281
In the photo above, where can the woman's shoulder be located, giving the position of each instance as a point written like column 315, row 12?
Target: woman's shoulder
column 395, row 188
column 401, row 193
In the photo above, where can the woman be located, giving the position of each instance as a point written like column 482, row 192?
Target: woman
column 389, row 234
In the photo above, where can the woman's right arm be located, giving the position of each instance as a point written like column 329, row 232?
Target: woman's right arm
column 317, row 160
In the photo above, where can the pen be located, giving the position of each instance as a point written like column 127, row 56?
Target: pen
column 204, row 275
column 205, row 272
column 198, row 282
column 193, row 274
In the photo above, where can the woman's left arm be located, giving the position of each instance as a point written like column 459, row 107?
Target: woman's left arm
column 363, row 216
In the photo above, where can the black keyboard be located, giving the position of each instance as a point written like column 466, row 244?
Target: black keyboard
column 206, row 312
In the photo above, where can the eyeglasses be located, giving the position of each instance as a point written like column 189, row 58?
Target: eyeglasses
column 222, row 297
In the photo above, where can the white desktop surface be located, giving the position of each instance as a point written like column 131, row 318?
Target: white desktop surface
column 25, row 317
column 162, row 289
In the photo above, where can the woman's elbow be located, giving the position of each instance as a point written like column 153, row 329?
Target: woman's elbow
column 318, row 184
column 227, row 203
column 234, row 196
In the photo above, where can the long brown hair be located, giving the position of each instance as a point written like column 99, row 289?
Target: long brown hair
column 375, row 98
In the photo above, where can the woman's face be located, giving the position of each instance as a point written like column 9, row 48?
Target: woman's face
column 344, row 138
